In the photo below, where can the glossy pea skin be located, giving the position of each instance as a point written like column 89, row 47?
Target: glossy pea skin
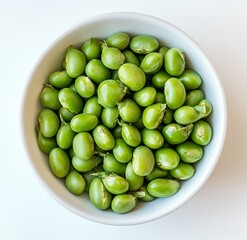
column 59, row 162
column 75, row 62
column 186, row 115
column 156, row 173
column 190, row 79
column 60, row 79
column 65, row 136
column 168, row 116
column 92, row 106
column 147, row 196
column 159, row 79
column 85, row 165
column 152, row 138
column 163, row 50
column 83, row 145
column 91, row 48
column 89, row 177
column 160, row 98
column 110, row 92
column 143, row 161
column 118, row 40
column 46, row 144
column 183, row 171
column 174, row 62
column 65, row 114
column 131, row 135
column 129, row 111
column 194, row 97
column 109, row 117
column 175, row 133
column 143, row 44
column 97, row 71
column 130, row 57
column 204, row 108
column 70, row 100
column 123, row 203
column 98, row 194
column 135, row 181
column 48, row 123
column 75, row 182
column 84, row 87
column 166, row 158
column 112, row 57
column 111, row 164
column 83, row 122
column 175, row 93
column 153, row 115
column 162, row 187
column 117, row 132
column 201, row 133
column 152, row 63
column 103, row 137
column 132, row 76
column 122, row 151
column 49, row 98
column 145, row 97
column 189, row 152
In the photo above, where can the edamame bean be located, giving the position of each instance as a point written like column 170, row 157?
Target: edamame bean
column 194, row 97
column 118, row 40
column 75, row 182
column 201, row 133
column 46, row 144
column 183, row 171
column 186, row 115
column 111, row 164
column 65, row 114
column 131, row 135
column 152, row 63
column 145, row 97
column 109, row 116
column 49, row 98
column 159, row 79
column 84, row 87
column 160, row 98
column 65, row 136
column 204, row 108
column 156, row 173
column 60, row 79
column 147, row 197
column 143, row 44
column 91, row 48
column 152, row 138
column 190, row 79
column 83, row 122
column 163, row 50
column 168, row 116
column 166, row 158
column 85, row 165
column 92, row 106
column 130, row 57
column 122, row 151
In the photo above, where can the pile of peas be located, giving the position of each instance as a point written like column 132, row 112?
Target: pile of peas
column 123, row 119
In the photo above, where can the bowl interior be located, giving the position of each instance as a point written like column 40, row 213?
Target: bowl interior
column 101, row 27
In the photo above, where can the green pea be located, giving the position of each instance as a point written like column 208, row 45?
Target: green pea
column 110, row 92
column 143, row 44
column 204, row 108
column 159, row 79
column 156, row 173
column 139, row 124
column 147, row 197
column 117, row 132
column 75, row 182
column 109, row 117
column 86, row 165
column 114, row 74
column 84, row 87
column 89, row 177
column 91, row 48
column 131, row 135
column 135, row 181
column 186, row 115
column 92, row 106
column 48, row 123
column 152, row 138
column 49, row 98
column 129, row 111
column 122, row 151
column 153, row 115
column 65, row 114
column 83, row 122
column 60, row 79
column 201, row 133
column 98, row 194
column 183, row 171
column 70, row 100
column 59, row 162
column 168, row 116
column 97, row 71
column 163, row 50
column 75, row 62
column 175, row 93
column 143, row 161
column 118, row 40
column 103, row 137
column 152, row 63
column 130, row 57
column 145, row 97
column 112, row 57
column 111, row 164
column 72, row 87
column 189, row 151
column 166, row 158
column 46, row 144
column 194, row 97
column 65, row 136
column 175, row 133
column 190, row 79
column 132, row 76
column 83, row 145
column 174, row 62
column 162, row 187
column 160, row 98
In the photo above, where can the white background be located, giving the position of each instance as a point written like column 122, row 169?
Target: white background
column 217, row 211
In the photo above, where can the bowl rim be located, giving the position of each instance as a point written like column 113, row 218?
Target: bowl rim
column 49, row 47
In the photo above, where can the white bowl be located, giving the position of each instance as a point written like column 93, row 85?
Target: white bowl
column 102, row 26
